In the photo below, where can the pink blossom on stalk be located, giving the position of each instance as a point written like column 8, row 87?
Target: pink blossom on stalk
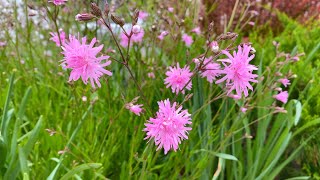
column 135, row 38
column 135, row 108
column 162, row 35
column 238, row 71
column 151, row 75
column 55, row 37
column 168, row 128
column 284, row 81
column 243, row 109
column 196, row 30
column 170, row 9
column 143, row 15
column 282, row 96
column 81, row 59
column 210, row 70
column 58, row 2
column 178, row 78
column 187, row 39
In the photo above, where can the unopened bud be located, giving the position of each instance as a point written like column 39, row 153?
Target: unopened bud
column 214, row 46
column 95, row 10
column 136, row 29
column 84, row 17
column 106, row 9
column 210, row 28
column 135, row 17
column 117, row 20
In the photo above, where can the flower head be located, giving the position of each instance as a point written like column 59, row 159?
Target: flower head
column 135, row 38
column 168, row 128
column 238, row 71
column 284, row 81
column 135, row 108
column 187, row 39
column 143, row 15
column 178, row 78
column 211, row 70
column 162, row 35
column 81, row 59
column 282, row 96
column 58, row 2
column 55, row 37
column 196, row 30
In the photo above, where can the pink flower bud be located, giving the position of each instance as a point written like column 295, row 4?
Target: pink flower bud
column 136, row 29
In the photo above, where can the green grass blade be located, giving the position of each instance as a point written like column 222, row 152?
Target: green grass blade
column 81, row 168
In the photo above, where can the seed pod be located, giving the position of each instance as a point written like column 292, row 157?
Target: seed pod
column 95, row 10
column 117, row 20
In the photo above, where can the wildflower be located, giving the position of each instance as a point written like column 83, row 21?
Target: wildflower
column 135, row 38
column 136, row 109
column 81, row 58
column 143, row 15
column 55, row 37
column 282, row 96
column 211, row 70
column 58, row 2
column 187, row 40
column 168, row 128
column 284, row 81
column 238, row 72
column 136, row 29
column 84, row 98
column 151, row 75
column 3, row 43
column 243, row 109
column 178, row 78
column 162, row 35
column 196, row 30
column 170, row 9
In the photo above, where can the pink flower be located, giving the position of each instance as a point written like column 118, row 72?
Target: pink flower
column 151, row 75
column 168, row 128
column 178, row 78
column 210, row 70
column 143, row 15
column 238, row 72
column 135, row 38
column 282, row 96
column 58, row 2
column 2, row 44
column 285, row 82
column 55, row 37
column 170, row 9
column 187, row 40
column 196, row 30
column 81, row 59
column 214, row 46
column 243, row 109
column 162, row 35
column 136, row 109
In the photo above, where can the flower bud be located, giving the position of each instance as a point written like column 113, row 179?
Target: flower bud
column 84, row 17
column 106, row 9
column 214, row 46
column 117, row 20
column 95, row 10
column 136, row 29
